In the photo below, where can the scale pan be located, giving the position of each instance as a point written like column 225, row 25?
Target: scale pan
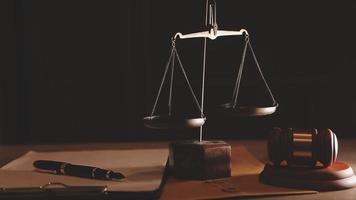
column 249, row 110
column 170, row 122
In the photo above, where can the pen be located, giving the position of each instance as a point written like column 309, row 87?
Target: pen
column 76, row 170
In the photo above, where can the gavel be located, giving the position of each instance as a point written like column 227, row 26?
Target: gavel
column 298, row 147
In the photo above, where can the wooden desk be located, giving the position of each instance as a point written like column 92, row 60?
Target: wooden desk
column 347, row 153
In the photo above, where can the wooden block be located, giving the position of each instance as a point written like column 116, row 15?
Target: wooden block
column 200, row 160
column 335, row 177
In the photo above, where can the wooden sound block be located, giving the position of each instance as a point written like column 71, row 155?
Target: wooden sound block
column 200, row 160
column 335, row 177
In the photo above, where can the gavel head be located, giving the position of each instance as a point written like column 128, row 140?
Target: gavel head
column 302, row 147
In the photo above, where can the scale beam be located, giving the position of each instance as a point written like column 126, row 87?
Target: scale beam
column 210, row 34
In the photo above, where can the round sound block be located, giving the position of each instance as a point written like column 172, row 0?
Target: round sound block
column 335, row 177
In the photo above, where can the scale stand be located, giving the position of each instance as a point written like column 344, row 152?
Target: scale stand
column 203, row 159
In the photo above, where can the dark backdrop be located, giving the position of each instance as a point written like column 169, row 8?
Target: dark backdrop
column 77, row 71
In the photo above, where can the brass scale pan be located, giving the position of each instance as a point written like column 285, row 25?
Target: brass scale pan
column 249, row 110
column 173, row 122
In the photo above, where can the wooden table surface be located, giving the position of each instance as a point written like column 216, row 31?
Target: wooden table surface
column 347, row 153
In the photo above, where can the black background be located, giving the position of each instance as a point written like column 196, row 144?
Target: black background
column 78, row 71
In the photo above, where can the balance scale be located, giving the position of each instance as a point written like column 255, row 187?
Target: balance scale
column 204, row 159
column 201, row 159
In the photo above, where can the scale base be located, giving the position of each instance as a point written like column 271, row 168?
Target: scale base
column 200, row 160
column 335, row 177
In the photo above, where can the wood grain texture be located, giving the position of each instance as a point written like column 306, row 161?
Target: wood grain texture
column 200, row 160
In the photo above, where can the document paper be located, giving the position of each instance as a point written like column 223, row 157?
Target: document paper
column 143, row 169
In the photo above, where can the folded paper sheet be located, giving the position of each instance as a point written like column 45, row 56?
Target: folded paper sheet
column 143, row 169
column 243, row 182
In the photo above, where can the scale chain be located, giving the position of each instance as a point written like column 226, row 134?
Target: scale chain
column 171, row 88
column 162, row 82
column 238, row 79
column 260, row 71
column 187, row 80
